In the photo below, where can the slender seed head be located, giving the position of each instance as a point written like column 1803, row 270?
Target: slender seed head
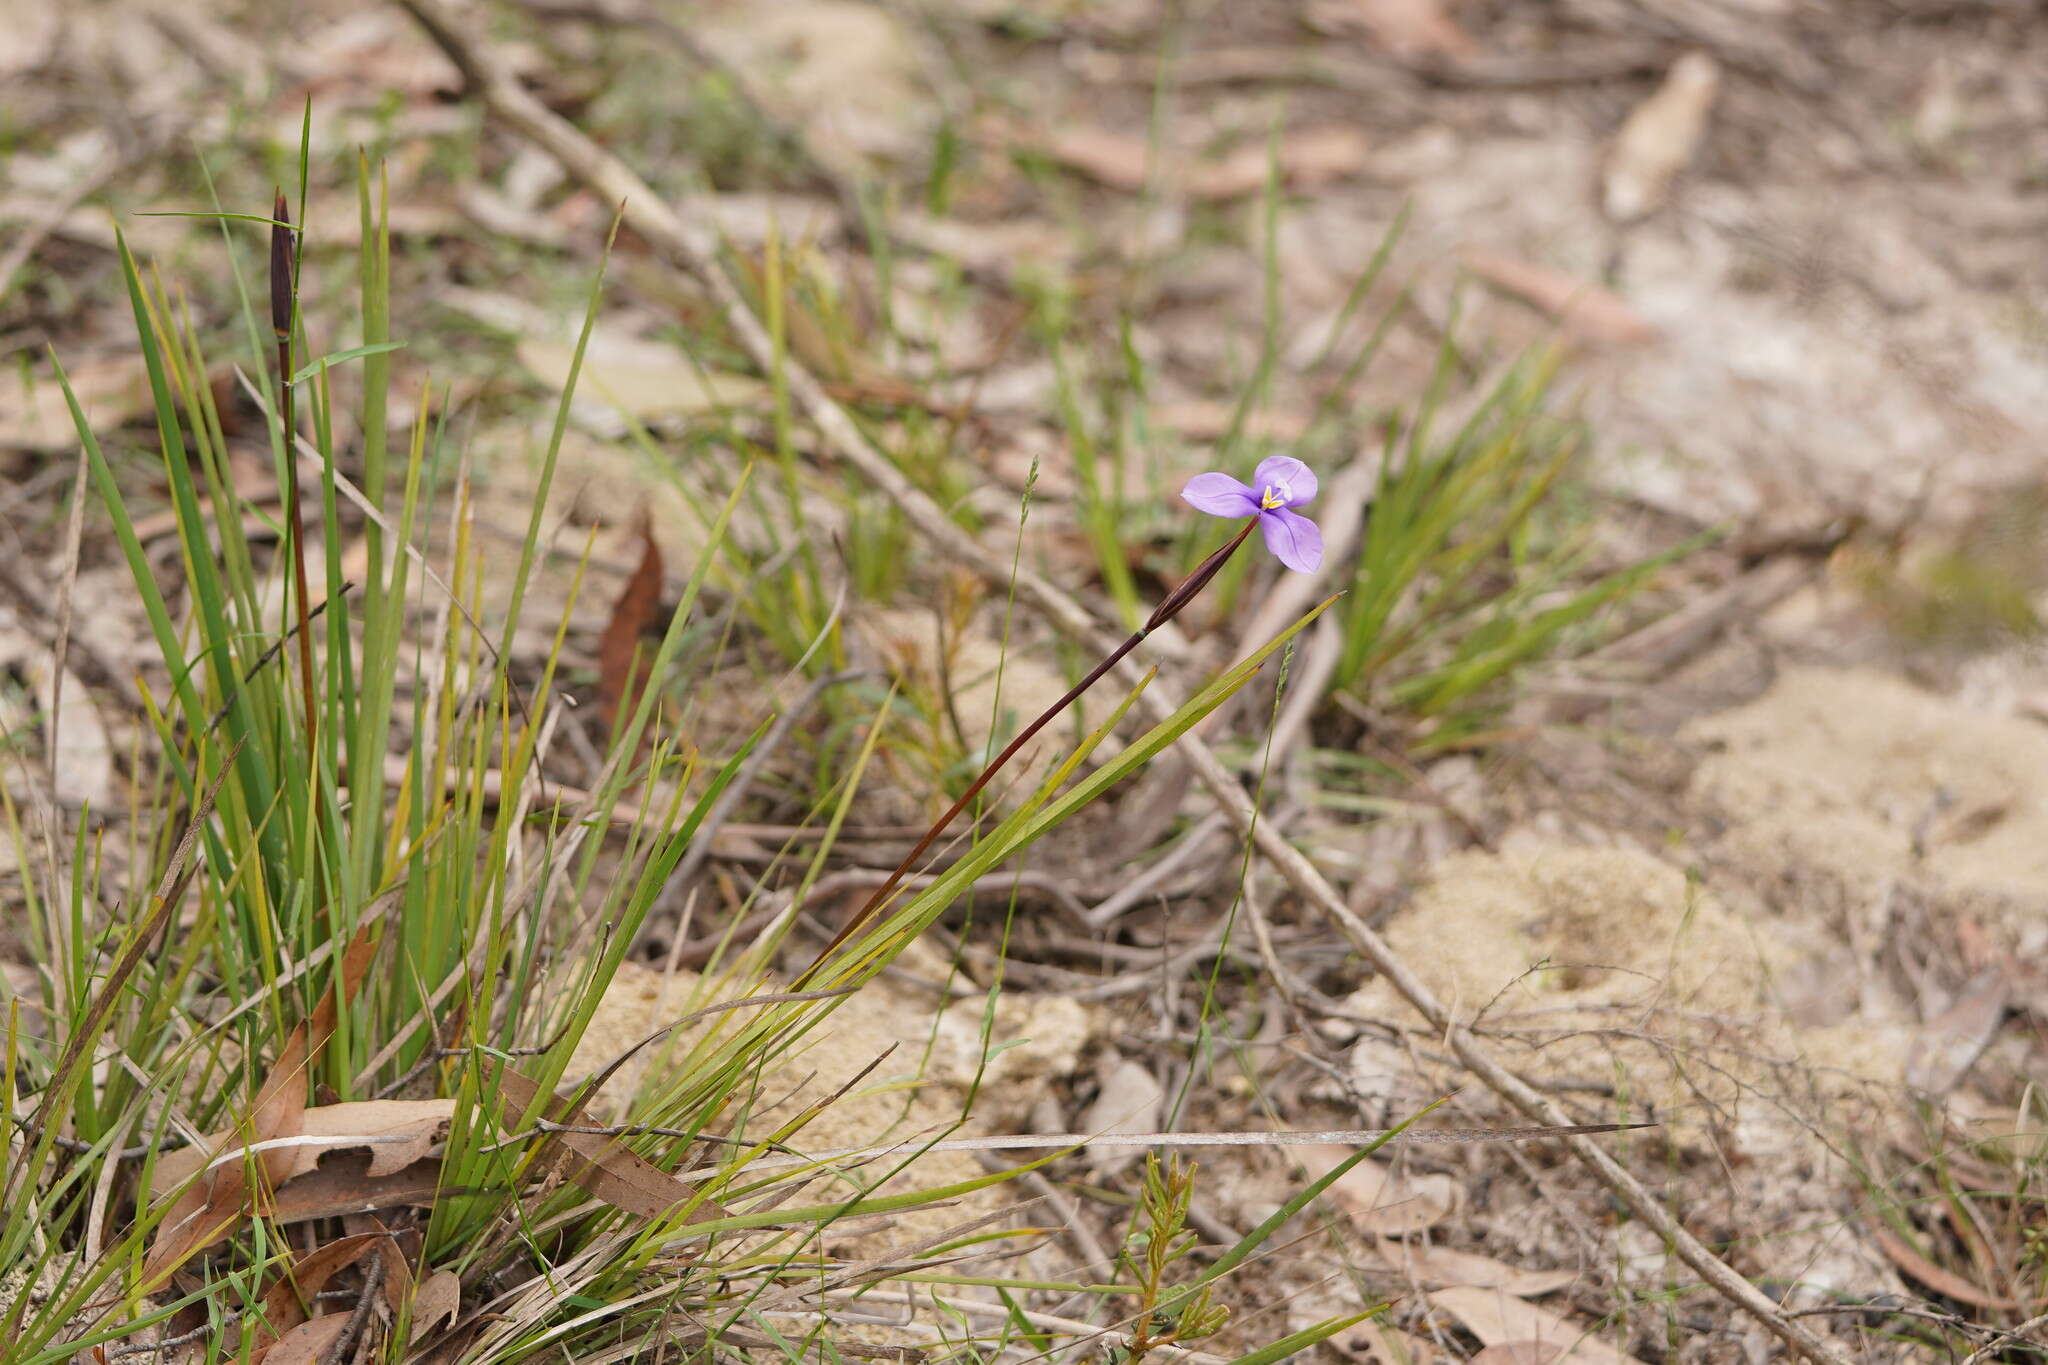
column 281, row 269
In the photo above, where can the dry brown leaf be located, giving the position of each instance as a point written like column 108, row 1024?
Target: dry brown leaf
column 604, row 1166
column 289, row 1295
column 621, row 670
column 1119, row 160
column 1949, row 1044
column 1122, row 161
column 1586, row 311
column 1442, row 1268
column 1306, row 160
column 401, row 1133
column 1502, row 1319
column 111, row 392
column 645, row 379
column 438, row 1303
column 1413, row 30
column 1377, row 1200
column 1944, row 1282
column 1520, row 1353
column 1659, row 139
column 343, row 1185
column 308, row 1342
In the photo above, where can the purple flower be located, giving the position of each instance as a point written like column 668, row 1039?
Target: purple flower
column 1282, row 482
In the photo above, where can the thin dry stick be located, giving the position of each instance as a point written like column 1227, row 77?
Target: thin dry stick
column 1139, row 887
column 692, row 250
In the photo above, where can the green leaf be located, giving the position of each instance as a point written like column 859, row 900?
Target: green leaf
column 311, row 368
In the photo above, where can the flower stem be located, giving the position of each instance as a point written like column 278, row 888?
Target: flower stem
column 1167, row 609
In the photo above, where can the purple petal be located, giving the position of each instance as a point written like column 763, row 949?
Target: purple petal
column 1220, row 496
column 1294, row 540
column 1284, row 471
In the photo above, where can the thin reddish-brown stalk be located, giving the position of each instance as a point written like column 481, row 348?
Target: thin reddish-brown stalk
column 281, row 308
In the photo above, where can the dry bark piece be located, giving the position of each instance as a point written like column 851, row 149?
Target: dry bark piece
column 1501, row 1320
column 1586, row 311
column 1659, row 139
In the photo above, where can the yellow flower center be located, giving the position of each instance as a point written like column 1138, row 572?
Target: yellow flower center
column 1273, row 496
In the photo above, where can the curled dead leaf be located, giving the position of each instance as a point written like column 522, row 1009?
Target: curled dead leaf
column 1304, row 160
column 646, row 380
column 1949, row 1044
column 1412, row 30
